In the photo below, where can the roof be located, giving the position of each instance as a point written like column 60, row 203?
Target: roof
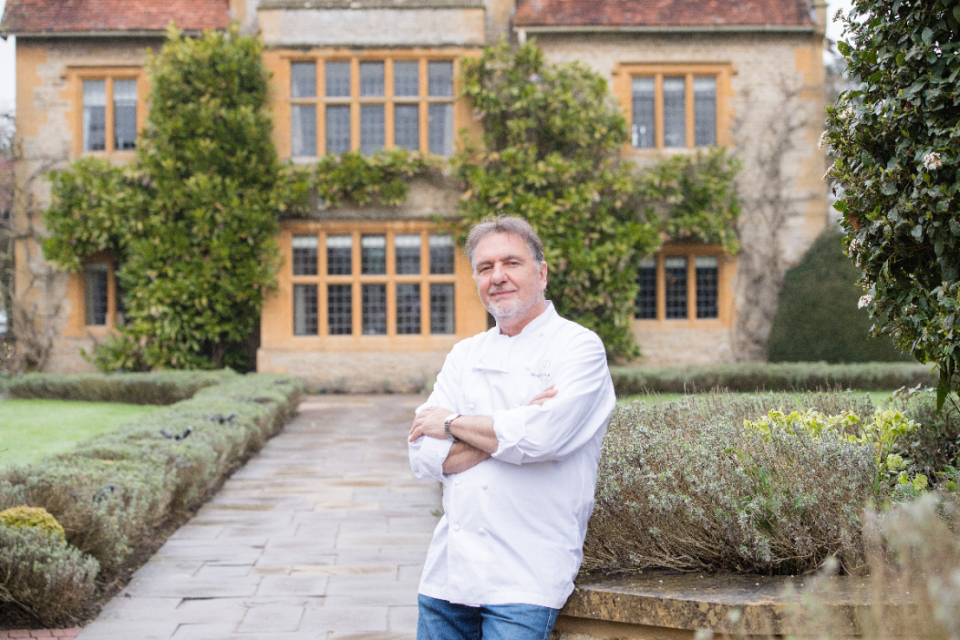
column 54, row 17
column 663, row 13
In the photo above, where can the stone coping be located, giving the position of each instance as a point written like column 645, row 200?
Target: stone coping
column 694, row 601
column 41, row 634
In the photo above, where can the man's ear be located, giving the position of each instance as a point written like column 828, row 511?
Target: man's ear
column 543, row 276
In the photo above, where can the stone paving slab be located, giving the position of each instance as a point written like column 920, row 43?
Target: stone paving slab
column 321, row 536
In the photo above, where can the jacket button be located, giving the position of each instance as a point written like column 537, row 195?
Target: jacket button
column 456, row 527
column 484, row 486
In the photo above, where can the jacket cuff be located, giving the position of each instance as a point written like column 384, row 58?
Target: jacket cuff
column 510, row 428
column 433, row 453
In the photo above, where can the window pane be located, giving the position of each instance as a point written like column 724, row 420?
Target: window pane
column 441, row 308
column 374, row 302
column 305, row 310
column 124, row 114
column 707, row 292
column 372, row 128
column 305, row 255
column 441, row 255
column 408, row 253
column 705, row 111
column 339, row 255
column 440, row 76
column 337, row 79
column 94, row 115
column 647, row 295
column 643, row 133
column 674, row 112
column 303, row 130
column 408, row 309
column 441, row 129
column 371, row 78
column 406, row 127
column 340, row 309
column 675, row 286
column 95, row 293
column 338, row 129
column 406, row 78
column 303, row 80
column 373, row 255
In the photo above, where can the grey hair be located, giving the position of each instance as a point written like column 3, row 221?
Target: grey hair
column 505, row 224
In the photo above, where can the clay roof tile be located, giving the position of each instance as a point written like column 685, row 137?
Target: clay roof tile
column 660, row 13
column 79, row 16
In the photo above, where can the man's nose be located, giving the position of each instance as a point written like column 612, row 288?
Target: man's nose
column 498, row 275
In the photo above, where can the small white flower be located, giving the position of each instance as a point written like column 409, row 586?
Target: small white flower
column 828, row 173
column 823, row 139
column 865, row 300
column 932, row 161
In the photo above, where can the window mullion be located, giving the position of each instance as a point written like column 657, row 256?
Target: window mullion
column 425, row 327
column 388, row 105
column 688, row 111
column 391, row 278
column 424, row 110
column 354, row 104
column 356, row 300
column 108, row 134
column 661, row 289
column 691, row 287
column 321, row 110
column 658, row 108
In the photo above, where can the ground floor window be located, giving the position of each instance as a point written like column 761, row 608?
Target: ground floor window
column 102, row 295
column 372, row 284
column 677, row 284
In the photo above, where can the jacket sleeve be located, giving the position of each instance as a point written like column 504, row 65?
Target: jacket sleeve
column 580, row 410
column 427, row 454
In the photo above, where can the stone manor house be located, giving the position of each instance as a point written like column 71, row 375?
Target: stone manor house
column 372, row 298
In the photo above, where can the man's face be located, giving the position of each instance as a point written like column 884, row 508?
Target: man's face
column 509, row 280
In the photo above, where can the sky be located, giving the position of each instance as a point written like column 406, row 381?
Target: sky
column 8, row 73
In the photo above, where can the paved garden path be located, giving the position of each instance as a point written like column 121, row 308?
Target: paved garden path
column 322, row 535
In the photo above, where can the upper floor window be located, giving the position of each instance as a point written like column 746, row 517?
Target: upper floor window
column 108, row 108
column 674, row 107
column 371, row 104
column 680, row 285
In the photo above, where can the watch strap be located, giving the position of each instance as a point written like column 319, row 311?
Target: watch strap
column 446, row 426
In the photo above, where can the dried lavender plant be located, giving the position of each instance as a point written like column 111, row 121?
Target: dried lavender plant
column 686, row 486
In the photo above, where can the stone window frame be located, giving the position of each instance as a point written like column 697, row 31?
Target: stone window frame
column 726, row 270
column 76, row 324
column 624, row 73
column 75, row 79
column 354, row 58
column 356, row 280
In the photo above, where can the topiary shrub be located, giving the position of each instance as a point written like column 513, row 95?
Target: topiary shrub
column 34, row 517
column 818, row 318
column 45, row 576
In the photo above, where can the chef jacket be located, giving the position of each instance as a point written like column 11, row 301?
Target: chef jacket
column 513, row 525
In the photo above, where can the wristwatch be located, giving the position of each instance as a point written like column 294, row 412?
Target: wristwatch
column 446, row 426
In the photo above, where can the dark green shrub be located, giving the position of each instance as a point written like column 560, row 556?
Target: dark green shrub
column 761, row 376
column 44, row 576
column 686, row 485
column 937, row 443
column 818, row 318
column 162, row 387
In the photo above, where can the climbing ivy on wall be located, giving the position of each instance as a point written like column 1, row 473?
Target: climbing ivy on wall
column 191, row 222
column 550, row 153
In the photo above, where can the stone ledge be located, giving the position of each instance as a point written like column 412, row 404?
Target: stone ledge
column 674, row 606
column 40, row 634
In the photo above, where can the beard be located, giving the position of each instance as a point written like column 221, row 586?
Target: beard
column 507, row 309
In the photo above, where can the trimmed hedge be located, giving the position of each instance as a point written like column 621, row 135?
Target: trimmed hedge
column 818, row 316
column 762, row 376
column 162, row 387
column 114, row 489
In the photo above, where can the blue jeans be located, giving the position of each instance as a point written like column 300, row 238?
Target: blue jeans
column 442, row 620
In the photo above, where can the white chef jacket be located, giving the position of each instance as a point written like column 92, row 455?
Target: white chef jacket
column 514, row 524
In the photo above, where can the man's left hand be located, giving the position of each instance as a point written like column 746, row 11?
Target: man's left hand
column 429, row 422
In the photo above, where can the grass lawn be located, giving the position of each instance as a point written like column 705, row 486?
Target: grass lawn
column 32, row 429
column 879, row 398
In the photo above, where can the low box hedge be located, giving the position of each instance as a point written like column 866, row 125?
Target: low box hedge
column 763, row 376
column 162, row 387
column 111, row 491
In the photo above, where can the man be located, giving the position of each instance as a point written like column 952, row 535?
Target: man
column 513, row 430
